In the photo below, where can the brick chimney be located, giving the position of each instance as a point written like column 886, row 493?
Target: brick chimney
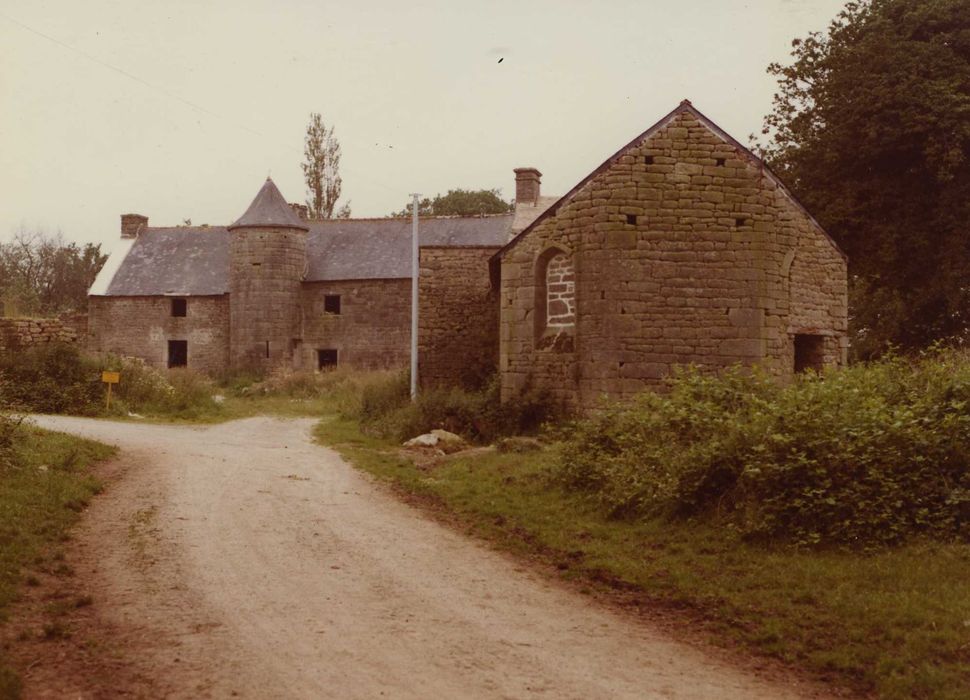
column 300, row 209
column 131, row 224
column 527, row 186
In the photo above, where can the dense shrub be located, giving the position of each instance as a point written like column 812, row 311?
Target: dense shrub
column 866, row 455
column 52, row 378
column 386, row 409
column 58, row 378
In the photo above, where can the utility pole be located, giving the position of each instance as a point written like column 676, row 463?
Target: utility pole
column 414, row 297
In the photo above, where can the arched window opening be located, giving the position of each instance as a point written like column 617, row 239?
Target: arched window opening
column 555, row 302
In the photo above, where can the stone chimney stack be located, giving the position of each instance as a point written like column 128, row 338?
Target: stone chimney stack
column 527, row 182
column 301, row 210
column 131, row 224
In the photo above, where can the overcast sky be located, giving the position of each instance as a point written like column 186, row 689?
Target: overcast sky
column 179, row 109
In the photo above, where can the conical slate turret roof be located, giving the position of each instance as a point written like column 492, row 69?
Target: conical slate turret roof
column 269, row 209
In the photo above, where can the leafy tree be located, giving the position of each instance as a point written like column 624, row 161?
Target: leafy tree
column 461, row 203
column 871, row 129
column 321, row 170
column 41, row 274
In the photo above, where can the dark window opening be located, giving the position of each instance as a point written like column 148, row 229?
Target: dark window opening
column 631, row 219
column 179, row 307
column 648, row 160
column 809, row 352
column 740, row 221
column 178, row 353
column 721, row 161
column 326, row 358
column 267, row 348
column 331, row 303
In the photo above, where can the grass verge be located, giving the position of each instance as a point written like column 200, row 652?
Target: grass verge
column 895, row 621
column 44, row 484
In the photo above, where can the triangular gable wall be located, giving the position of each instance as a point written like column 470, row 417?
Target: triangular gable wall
column 684, row 106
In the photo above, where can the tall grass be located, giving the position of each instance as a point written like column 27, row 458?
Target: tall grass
column 386, row 410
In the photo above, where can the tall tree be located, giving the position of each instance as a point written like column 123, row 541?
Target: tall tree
column 461, row 203
column 41, row 274
column 321, row 170
column 871, row 129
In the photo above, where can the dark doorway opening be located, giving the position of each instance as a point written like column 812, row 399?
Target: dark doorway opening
column 178, row 353
column 809, row 352
column 326, row 359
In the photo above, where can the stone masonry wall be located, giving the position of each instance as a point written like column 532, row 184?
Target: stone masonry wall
column 19, row 333
column 458, row 317
column 372, row 330
column 142, row 326
column 684, row 251
column 266, row 266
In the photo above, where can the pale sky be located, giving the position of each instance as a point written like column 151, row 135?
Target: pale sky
column 179, row 109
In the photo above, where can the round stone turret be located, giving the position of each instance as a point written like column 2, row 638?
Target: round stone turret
column 267, row 259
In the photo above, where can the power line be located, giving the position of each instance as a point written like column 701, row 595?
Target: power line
column 172, row 95
column 130, row 76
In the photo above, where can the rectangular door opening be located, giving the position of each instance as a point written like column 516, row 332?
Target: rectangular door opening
column 178, row 353
column 809, row 352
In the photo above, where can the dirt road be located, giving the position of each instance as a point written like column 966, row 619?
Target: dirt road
column 243, row 560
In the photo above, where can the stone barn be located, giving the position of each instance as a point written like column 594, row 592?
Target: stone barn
column 682, row 248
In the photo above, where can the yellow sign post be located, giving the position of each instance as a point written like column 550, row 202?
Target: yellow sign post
column 110, row 378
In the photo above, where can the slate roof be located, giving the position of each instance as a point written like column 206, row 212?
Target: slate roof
column 181, row 261
column 269, row 208
column 194, row 260
column 381, row 248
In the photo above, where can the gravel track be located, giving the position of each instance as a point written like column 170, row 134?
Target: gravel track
column 243, row 560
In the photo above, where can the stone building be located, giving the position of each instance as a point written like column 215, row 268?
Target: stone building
column 273, row 288
column 681, row 248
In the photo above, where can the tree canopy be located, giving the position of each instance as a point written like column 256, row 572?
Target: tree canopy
column 42, row 275
column 321, row 171
column 871, row 129
column 461, row 203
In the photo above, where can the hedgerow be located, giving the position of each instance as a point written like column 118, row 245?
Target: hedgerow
column 873, row 454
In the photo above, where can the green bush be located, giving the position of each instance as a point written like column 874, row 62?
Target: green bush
column 873, row 454
column 52, row 378
column 387, row 410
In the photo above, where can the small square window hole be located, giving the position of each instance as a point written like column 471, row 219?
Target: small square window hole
column 331, row 303
column 179, row 307
column 720, row 161
column 631, row 219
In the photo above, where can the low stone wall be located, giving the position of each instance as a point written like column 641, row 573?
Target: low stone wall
column 19, row 333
